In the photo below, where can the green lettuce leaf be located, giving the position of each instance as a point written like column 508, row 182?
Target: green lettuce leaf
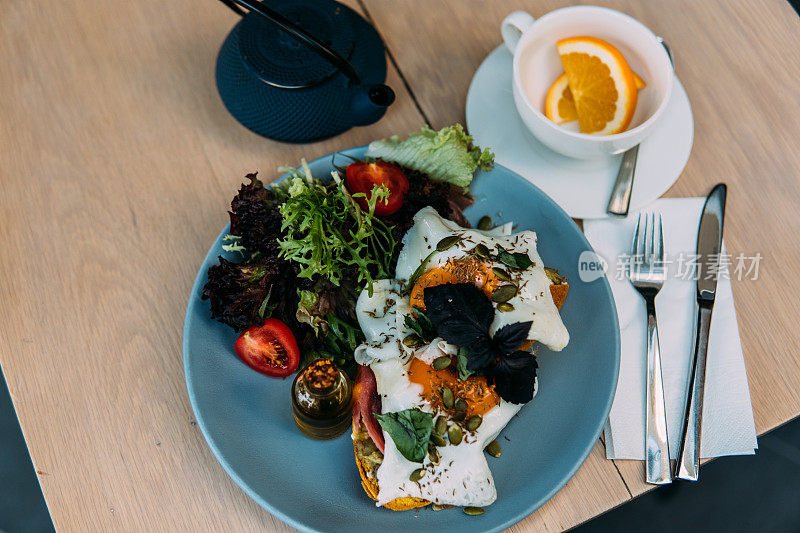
column 445, row 155
column 410, row 430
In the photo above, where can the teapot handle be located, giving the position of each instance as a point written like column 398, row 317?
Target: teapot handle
column 327, row 53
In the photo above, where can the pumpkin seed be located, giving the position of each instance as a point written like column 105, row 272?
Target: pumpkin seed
column 459, row 416
column 485, row 223
column 473, row 511
column 501, row 274
column 505, row 307
column 433, row 454
column 417, row 474
column 474, row 422
column 440, row 426
column 481, row 251
column 493, row 449
column 412, row 340
column 554, row 277
column 504, row 293
column 447, row 397
column 437, row 507
column 438, row 440
column 461, row 404
column 454, row 434
column 440, row 363
column 447, row 242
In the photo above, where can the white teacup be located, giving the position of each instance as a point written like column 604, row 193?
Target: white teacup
column 537, row 64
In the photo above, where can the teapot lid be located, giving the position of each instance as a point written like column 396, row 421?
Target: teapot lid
column 279, row 59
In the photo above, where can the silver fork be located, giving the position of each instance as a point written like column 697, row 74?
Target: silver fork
column 647, row 274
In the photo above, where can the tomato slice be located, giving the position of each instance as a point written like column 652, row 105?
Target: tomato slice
column 270, row 349
column 363, row 177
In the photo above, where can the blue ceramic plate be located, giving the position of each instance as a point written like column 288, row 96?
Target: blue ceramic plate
column 314, row 486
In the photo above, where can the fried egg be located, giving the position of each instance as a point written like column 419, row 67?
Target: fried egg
column 405, row 378
column 533, row 300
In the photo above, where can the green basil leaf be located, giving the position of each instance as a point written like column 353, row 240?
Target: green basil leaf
column 463, row 371
column 410, row 430
column 424, row 321
column 421, row 325
column 517, row 260
column 413, row 325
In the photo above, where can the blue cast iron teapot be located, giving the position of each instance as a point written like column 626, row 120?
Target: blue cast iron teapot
column 301, row 71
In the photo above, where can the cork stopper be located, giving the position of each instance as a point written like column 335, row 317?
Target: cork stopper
column 321, row 376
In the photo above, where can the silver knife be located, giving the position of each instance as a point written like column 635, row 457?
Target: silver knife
column 709, row 248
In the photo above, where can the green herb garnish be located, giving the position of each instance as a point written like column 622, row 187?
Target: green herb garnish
column 420, row 324
column 517, row 260
column 342, row 338
column 461, row 363
column 410, row 430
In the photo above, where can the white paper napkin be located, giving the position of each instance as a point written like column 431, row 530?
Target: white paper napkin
column 728, row 427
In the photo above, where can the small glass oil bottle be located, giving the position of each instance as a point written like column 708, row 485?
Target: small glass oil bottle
column 322, row 400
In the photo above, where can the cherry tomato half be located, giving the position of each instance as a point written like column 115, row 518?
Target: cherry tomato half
column 364, row 176
column 270, row 349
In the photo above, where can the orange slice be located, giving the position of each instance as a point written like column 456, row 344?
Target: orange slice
column 602, row 84
column 640, row 84
column 559, row 106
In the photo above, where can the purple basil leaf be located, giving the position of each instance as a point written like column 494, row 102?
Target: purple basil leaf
column 511, row 336
column 459, row 332
column 460, row 312
column 514, row 376
column 481, row 355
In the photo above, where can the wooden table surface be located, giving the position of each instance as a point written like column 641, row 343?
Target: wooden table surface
column 118, row 164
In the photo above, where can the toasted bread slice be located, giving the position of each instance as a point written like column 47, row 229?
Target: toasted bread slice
column 368, row 459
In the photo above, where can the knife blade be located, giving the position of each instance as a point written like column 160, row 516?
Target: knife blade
column 709, row 248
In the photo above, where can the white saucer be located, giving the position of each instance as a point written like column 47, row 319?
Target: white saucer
column 580, row 187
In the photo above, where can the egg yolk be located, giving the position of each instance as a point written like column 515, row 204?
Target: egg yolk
column 479, row 395
column 461, row 270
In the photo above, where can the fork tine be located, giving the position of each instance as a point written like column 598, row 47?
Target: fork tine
column 651, row 218
column 660, row 252
column 647, row 239
column 635, row 245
